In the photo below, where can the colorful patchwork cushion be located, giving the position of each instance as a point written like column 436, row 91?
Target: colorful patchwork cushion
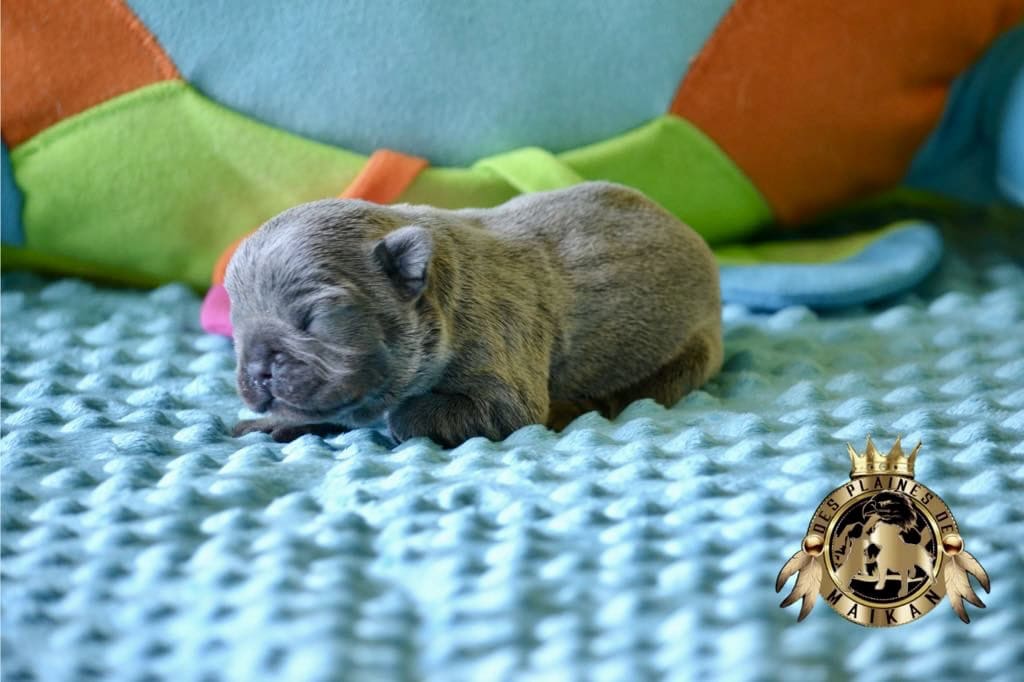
column 143, row 139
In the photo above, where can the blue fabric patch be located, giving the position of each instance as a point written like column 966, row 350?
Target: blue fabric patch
column 895, row 262
column 451, row 82
column 977, row 151
column 10, row 205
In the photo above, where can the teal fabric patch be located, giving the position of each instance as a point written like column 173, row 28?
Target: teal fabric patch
column 141, row 542
column 449, row 81
column 10, row 205
column 977, row 151
column 1010, row 161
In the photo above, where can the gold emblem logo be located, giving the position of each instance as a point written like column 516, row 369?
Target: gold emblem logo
column 882, row 549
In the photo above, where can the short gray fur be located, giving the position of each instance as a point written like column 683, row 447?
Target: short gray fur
column 454, row 324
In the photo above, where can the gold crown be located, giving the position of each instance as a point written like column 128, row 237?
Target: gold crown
column 872, row 462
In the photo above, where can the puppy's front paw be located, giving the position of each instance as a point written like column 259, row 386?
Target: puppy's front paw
column 451, row 419
column 283, row 433
column 247, row 426
column 286, row 433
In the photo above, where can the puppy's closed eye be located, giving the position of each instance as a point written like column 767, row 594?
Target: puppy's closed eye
column 328, row 320
column 305, row 320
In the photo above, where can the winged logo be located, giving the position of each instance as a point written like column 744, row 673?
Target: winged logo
column 807, row 564
column 954, row 576
column 882, row 549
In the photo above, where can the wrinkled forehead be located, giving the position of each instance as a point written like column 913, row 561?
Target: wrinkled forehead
column 271, row 273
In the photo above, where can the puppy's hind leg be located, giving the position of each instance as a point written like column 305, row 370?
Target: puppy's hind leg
column 562, row 412
column 697, row 361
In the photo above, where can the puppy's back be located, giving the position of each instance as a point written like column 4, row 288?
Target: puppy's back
column 641, row 281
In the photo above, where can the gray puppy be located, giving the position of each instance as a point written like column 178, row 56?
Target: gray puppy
column 454, row 324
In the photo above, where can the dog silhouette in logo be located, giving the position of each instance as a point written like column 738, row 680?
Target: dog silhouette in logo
column 855, row 543
column 889, row 540
column 898, row 537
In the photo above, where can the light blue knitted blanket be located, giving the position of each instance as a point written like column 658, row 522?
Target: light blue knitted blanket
column 141, row 542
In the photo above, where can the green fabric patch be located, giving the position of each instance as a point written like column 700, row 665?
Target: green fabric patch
column 154, row 184
column 19, row 258
column 829, row 250
column 682, row 169
column 531, row 169
column 160, row 180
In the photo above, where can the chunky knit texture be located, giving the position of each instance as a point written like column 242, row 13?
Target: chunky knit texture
column 141, row 541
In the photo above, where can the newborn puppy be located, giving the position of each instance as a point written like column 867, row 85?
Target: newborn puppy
column 454, row 324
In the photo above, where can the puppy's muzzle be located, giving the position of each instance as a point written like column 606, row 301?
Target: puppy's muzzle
column 256, row 377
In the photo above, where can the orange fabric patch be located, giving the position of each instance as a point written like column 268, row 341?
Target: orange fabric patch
column 824, row 102
column 384, row 177
column 382, row 180
column 60, row 57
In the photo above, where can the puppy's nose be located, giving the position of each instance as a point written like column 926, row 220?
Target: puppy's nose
column 260, row 361
column 260, row 370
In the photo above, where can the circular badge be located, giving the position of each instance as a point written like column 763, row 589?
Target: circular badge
column 882, row 549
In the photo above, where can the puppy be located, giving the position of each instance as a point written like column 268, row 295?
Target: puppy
column 454, row 324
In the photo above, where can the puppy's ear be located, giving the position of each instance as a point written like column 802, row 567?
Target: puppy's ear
column 404, row 256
